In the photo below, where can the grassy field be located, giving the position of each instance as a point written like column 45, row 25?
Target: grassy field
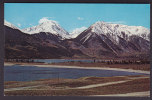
column 84, row 86
column 145, row 67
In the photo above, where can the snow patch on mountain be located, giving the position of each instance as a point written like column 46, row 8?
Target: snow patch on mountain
column 86, row 37
column 77, row 31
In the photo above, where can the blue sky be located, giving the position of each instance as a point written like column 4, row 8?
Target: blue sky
column 71, row 16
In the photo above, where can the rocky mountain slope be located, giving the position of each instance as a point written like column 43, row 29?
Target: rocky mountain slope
column 100, row 40
column 104, row 39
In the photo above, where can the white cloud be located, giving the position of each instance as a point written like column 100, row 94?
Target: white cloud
column 31, row 25
column 18, row 24
column 118, row 22
column 45, row 19
column 80, row 18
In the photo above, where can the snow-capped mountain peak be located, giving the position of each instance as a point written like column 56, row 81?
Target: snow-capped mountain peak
column 48, row 26
column 6, row 23
column 112, row 31
column 124, row 31
column 76, row 32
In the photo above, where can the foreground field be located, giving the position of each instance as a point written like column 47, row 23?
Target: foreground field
column 138, row 85
column 85, row 86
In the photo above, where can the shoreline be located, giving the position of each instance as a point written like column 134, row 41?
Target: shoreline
column 78, row 67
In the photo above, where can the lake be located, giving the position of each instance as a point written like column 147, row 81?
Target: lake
column 62, row 60
column 29, row 73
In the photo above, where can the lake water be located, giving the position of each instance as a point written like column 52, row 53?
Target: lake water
column 28, row 73
column 62, row 60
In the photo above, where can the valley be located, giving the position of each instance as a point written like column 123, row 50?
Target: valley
column 104, row 59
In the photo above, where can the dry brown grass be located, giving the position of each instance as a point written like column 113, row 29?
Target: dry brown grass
column 137, row 85
column 134, row 85
column 65, row 82
column 145, row 67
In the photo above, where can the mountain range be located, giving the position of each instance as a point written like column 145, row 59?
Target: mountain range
column 100, row 40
